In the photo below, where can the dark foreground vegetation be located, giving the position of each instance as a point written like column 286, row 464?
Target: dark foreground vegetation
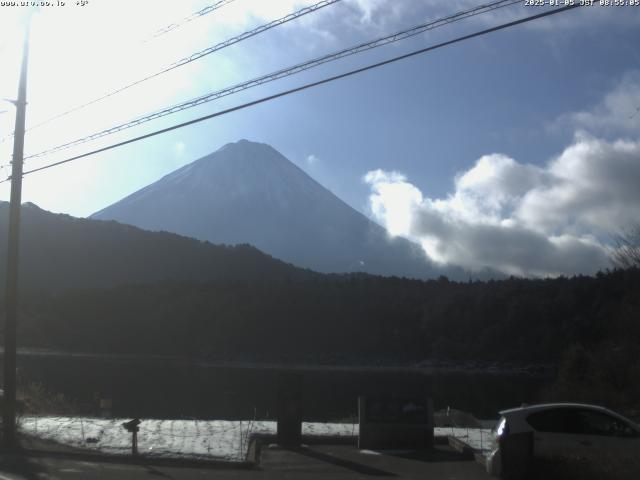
column 588, row 326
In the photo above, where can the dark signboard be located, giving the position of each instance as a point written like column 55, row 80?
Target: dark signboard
column 289, row 411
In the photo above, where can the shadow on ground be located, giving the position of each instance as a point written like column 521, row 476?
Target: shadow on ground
column 341, row 462
column 431, row 456
column 21, row 465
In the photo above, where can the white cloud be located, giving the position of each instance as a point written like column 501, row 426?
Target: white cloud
column 593, row 187
column 394, row 200
column 516, row 218
column 617, row 112
column 536, row 220
column 312, row 160
column 369, row 10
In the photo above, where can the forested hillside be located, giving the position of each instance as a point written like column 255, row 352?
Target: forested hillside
column 355, row 316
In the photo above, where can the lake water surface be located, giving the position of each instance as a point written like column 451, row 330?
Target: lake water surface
column 161, row 387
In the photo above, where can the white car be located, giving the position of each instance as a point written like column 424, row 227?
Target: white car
column 562, row 429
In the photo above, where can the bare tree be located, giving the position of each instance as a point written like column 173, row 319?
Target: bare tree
column 627, row 250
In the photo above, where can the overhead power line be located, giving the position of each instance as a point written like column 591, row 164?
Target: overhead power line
column 307, row 86
column 301, row 67
column 197, row 55
column 200, row 13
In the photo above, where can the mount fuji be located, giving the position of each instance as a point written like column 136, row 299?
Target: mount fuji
column 248, row 192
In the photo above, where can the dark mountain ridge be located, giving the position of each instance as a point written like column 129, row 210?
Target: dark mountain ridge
column 60, row 252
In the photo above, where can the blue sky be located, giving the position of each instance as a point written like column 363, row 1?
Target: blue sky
column 495, row 139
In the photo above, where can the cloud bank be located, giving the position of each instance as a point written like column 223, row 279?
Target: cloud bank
column 524, row 219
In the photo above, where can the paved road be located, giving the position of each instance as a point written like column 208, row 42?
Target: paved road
column 326, row 462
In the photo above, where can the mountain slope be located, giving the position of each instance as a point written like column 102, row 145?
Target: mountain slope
column 60, row 252
column 248, row 192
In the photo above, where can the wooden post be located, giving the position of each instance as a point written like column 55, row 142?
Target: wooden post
column 13, row 252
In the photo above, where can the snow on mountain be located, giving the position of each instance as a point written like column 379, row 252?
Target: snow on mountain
column 248, row 192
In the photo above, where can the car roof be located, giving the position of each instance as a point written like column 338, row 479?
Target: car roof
column 527, row 409
column 548, row 406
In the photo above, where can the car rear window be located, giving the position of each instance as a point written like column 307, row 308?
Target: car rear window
column 579, row 421
column 597, row 423
column 557, row 421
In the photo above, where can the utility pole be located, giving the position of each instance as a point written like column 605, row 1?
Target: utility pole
column 13, row 250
